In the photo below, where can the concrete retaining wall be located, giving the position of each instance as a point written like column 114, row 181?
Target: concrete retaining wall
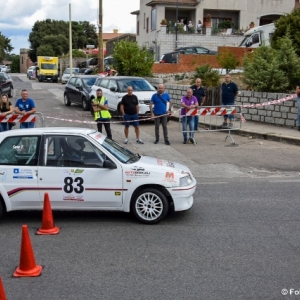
column 283, row 114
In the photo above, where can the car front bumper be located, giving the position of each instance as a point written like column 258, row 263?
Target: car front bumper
column 183, row 198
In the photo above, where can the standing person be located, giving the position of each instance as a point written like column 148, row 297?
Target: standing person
column 298, row 102
column 6, row 108
column 101, row 113
column 160, row 100
column 130, row 112
column 199, row 27
column 199, row 93
column 187, row 102
column 229, row 92
column 25, row 106
column 190, row 26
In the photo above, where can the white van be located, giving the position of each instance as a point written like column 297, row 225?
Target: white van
column 256, row 36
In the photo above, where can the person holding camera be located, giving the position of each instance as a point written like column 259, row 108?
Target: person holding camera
column 101, row 113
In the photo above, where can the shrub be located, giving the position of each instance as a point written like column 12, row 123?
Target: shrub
column 208, row 76
column 228, row 61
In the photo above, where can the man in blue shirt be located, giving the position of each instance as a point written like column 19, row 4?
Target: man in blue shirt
column 159, row 111
column 25, row 106
column 229, row 92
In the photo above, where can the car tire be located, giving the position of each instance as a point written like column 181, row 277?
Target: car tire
column 67, row 101
column 150, row 206
column 10, row 93
column 85, row 104
column 2, row 209
column 39, row 79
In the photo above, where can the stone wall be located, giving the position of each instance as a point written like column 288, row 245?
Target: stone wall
column 283, row 114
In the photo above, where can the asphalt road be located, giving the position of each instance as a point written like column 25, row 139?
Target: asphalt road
column 239, row 241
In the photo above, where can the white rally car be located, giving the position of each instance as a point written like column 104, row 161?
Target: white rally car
column 83, row 170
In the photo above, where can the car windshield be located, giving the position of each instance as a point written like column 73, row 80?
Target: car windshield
column 67, row 71
column 138, row 85
column 48, row 66
column 89, row 81
column 119, row 152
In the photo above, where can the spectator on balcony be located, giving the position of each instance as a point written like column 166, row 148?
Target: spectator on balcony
column 190, row 27
column 199, row 27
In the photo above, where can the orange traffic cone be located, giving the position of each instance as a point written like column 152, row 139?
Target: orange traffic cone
column 27, row 267
column 2, row 292
column 47, row 221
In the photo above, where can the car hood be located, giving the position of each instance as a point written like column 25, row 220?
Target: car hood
column 164, row 164
column 141, row 95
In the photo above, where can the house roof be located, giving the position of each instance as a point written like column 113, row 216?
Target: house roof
column 109, row 36
column 136, row 12
column 123, row 35
column 181, row 2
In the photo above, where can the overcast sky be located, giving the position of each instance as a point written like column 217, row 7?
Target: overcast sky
column 18, row 17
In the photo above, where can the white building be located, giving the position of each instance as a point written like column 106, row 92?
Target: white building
column 240, row 12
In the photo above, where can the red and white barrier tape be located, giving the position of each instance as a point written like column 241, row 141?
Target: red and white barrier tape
column 17, row 118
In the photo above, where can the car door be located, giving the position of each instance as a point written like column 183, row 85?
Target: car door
column 70, row 89
column 78, row 87
column 76, row 177
column 18, row 171
column 4, row 84
column 112, row 96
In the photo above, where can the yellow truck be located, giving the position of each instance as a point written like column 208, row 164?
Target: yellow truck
column 47, row 68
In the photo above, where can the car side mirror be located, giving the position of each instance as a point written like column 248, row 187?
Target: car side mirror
column 108, row 164
column 113, row 89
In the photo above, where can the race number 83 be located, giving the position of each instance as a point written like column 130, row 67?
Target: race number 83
column 73, row 185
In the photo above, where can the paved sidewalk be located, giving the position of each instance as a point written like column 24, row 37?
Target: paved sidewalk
column 263, row 131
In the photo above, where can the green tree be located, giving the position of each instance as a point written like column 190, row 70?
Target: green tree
column 130, row 60
column 45, row 50
column 228, row 61
column 59, row 43
column 285, row 24
column 209, row 77
column 288, row 61
column 5, row 46
column 56, row 34
column 262, row 71
column 15, row 65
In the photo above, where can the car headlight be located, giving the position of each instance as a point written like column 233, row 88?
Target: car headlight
column 41, row 73
column 186, row 180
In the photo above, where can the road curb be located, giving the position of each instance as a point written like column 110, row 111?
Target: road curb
column 260, row 135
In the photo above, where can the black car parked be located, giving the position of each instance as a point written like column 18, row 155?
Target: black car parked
column 6, row 84
column 77, row 90
column 197, row 50
column 172, row 57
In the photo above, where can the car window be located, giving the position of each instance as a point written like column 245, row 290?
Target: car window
column 136, row 83
column 255, row 38
column 20, row 150
column 2, row 78
column 104, row 83
column 201, row 50
column 72, row 81
column 78, row 82
column 98, row 82
column 89, row 81
column 71, row 151
column 112, row 83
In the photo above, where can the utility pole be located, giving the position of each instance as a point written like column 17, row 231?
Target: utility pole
column 100, row 40
column 176, row 26
column 70, row 41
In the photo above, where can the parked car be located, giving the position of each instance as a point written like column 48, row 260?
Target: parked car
column 6, row 84
column 115, row 87
column 172, row 57
column 66, row 75
column 109, row 61
column 4, row 68
column 197, row 50
column 77, row 90
column 31, row 72
column 91, row 62
column 102, row 176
